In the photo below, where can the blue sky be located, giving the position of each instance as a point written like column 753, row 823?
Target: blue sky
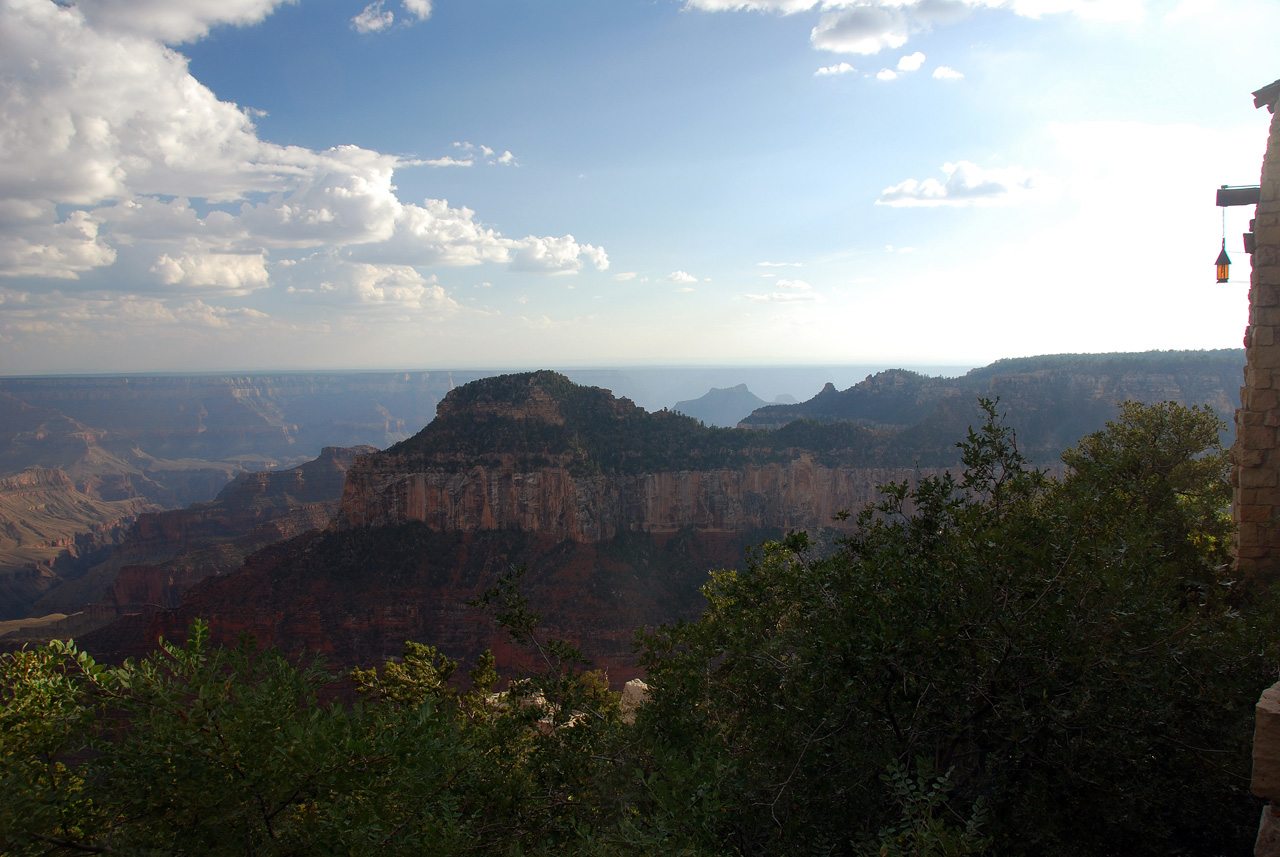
column 215, row 185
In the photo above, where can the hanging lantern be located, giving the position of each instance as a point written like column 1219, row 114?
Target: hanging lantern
column 1224, row 263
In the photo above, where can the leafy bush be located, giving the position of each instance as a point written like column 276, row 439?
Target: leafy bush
column 1071, row 656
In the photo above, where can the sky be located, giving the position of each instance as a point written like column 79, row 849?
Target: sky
column 254, row 185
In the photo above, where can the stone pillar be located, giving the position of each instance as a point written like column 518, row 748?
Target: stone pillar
column 1255, row 458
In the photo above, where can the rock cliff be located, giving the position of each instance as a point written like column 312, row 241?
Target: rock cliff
column 162, row 554
column 575, row 463
column 617, row 513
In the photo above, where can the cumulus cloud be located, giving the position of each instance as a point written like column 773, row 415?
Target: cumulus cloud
column 555, row 255
column 838, row 68
column 886, row 74
column 968, row 184
column 107, row 141
column 228, row 273
column 59, row 249
column 861, row 30
column 681, row 277
column 943, row 72
column 485, row 154
column 448, row 161
column 325, row 278
column 373, row 19
column 420, row 9
column 174, row 21
column 911, row 62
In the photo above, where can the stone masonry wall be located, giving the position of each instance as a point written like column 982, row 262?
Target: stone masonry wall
column 1255, row 472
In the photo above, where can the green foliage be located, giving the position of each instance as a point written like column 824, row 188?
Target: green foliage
column 1071, row 652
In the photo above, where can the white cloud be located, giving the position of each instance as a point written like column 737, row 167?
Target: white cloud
column 886, row 74
column 43, row 246
column 373, row 19
column 87, row 117
column 227, row 273
column 448, row 161
column 683, row 290
column 106, row 138
column 365, row 288
column 624, row 276
column 779, row 264
column 420, row 9
column 838, row 68
column 485, row 153
column 861, row 30
column 555, row 255
column 911, row 62
column 943, row 72
column 173, row 21
column 968, row 184
column 681, row 277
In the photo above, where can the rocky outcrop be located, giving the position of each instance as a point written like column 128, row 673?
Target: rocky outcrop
column 576, row 463
column 166, row 553
column 51, row 532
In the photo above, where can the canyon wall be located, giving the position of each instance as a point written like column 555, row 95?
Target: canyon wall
column 597, row 507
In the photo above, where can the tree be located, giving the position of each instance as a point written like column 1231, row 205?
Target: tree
column 1070, row 657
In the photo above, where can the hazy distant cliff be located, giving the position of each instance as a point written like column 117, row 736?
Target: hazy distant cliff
column 1052, row 401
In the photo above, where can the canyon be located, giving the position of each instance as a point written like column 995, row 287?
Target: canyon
column 614, row 513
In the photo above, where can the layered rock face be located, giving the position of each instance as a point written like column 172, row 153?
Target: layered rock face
column 582, row 465
column 597, row 507
column 163, row 554
column 51, row 531
column 617, row 515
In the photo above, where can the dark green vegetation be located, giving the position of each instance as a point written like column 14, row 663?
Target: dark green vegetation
column 1000, row 663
